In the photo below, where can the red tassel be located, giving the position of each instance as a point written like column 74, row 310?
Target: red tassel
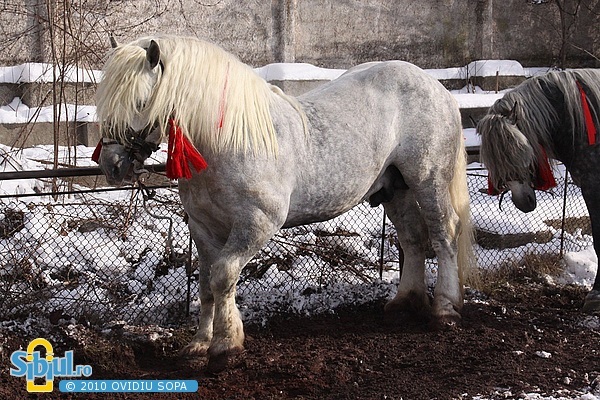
column 545, row 179
column 96, row 153
column 589, row 121
column 181, row 153
column 491, row 190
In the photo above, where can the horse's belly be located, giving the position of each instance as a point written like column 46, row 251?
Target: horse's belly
column 305, row 217
column 322, row 202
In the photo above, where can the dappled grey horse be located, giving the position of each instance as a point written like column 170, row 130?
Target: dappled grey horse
column 552, row 116
column 383, row 132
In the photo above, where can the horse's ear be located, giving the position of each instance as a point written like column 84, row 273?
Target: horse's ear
column 153, row 54
column 512, row 115
column 113, row 42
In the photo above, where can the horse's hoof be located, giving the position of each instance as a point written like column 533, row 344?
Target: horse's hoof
column 412, row 303
column 194, row 350
column 445, row 323
column 592, row 303
column 218, row 362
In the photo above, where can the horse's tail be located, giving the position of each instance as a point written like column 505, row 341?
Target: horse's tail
column 459, row 195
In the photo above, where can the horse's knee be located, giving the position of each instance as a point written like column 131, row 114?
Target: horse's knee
column 223, row 278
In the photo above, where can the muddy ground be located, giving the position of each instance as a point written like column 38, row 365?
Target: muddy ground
column 524, row 336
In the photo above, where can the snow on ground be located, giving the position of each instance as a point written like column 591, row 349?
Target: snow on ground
column 18, row 113
column 274, row 292
column 47, row 73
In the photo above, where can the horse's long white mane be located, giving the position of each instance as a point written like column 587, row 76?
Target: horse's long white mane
column 522, row 122
column 218, row 101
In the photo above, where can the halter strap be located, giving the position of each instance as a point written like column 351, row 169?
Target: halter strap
column 138, row 147
column 180, row 153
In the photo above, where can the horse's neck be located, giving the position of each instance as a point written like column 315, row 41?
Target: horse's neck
column 561, row 146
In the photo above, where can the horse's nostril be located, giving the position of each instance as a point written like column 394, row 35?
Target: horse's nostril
column 532, row 199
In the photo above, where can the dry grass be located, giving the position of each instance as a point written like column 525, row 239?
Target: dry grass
column 532, row 268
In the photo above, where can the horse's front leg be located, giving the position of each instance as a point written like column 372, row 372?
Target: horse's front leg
column 245, row 240
column 592, row 300
column 207, row 254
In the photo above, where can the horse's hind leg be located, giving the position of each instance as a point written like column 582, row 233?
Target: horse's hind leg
column 404, row 213
column 444, row 227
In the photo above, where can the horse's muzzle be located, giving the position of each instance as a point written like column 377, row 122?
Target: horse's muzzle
column 523, row 196
column 118, row 172
column 116, row 163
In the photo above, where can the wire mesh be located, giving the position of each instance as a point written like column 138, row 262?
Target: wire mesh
column 102, row 258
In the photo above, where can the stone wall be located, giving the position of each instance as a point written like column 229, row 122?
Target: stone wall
column 326, row 33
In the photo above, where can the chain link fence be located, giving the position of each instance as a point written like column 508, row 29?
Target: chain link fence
column 127, row 255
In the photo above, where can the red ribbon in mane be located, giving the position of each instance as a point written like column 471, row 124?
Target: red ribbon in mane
column 587, row 114
column 544, row 179
column 181, row 153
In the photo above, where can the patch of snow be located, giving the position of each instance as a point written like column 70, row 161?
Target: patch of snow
column 581, row 267
column 16, row 112
column 46, row 73
column 448, row 73
column 543, row 354
column 297, row 72
column 486, row 68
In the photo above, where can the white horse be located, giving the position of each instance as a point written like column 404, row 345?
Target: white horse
column 384, row 132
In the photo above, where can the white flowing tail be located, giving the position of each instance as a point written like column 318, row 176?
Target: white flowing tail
column 459, row 194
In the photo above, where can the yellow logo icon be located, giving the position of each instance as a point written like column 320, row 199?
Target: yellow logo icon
column 32, row 365
column 49, row 385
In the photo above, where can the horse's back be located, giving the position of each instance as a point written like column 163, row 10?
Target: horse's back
column 390, row 95
column 386, row 76
column 389, row 107
column 373, row 116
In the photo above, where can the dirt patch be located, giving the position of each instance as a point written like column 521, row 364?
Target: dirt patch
column 525, row 337
column 572, row 224
column 492, row 240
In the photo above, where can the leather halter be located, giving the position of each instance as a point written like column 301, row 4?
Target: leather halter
column 138, row 148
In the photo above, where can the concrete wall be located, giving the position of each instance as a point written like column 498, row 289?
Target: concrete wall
column 326, row 33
